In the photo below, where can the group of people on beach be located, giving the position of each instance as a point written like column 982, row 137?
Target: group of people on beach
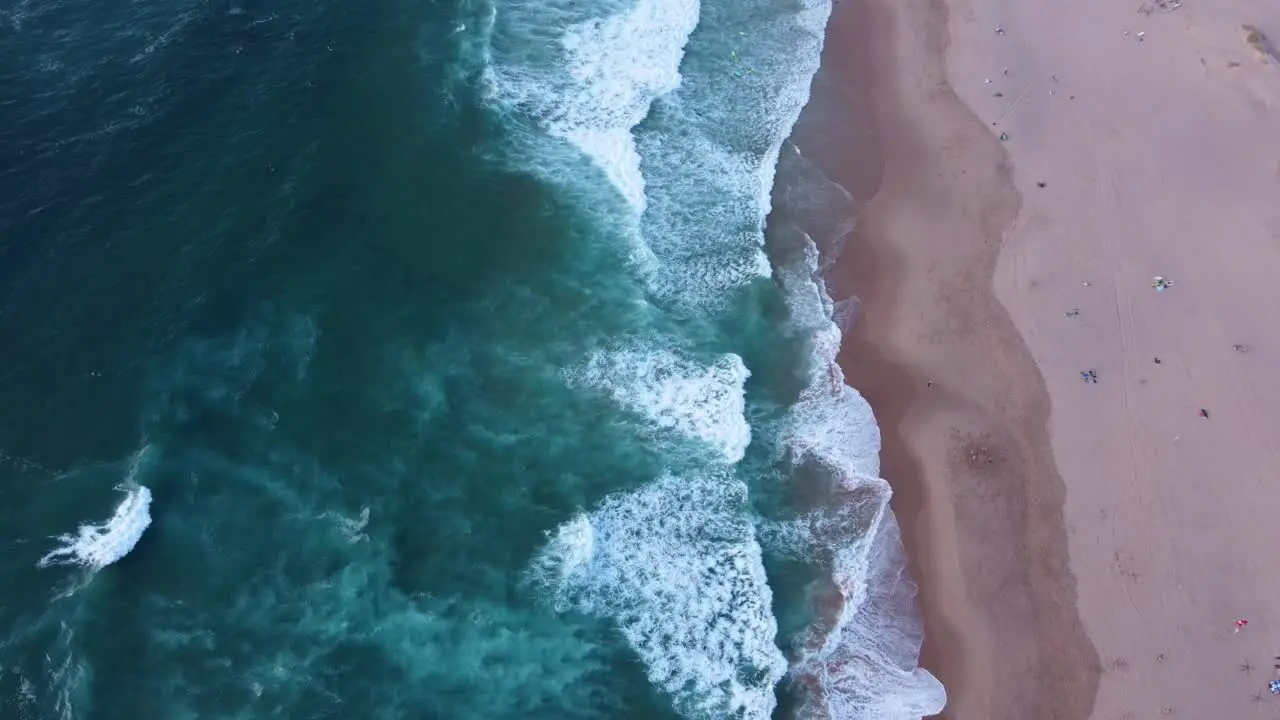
column 1274, row 685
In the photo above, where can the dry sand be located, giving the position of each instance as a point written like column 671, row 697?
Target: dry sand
column 1082, row 549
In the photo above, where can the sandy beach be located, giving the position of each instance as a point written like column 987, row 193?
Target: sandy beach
column 1025, row 171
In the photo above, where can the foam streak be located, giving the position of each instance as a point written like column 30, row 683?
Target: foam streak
column 677, row 567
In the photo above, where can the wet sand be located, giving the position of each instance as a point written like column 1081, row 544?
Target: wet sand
column 1082, row 548
column 959, row 399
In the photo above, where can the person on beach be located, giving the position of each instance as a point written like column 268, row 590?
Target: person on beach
column 1240, row 625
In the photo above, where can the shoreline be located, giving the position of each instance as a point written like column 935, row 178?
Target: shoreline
column 1144, row 139
column 961, row 404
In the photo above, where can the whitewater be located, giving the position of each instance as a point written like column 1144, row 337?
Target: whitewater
column 684, row 106
column 97, row 545
column 449, row 349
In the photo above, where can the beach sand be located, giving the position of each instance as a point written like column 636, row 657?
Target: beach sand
column 1083, row 549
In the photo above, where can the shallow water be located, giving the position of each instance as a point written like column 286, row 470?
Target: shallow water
column 444, row 343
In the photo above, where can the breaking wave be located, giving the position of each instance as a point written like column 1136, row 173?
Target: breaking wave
column 594, row 81
column 97, row 546
column 699, row 401
column 684, row 106
column 676, row 565
column 858, row 659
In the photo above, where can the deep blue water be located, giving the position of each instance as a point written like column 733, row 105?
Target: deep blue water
column 443, row 337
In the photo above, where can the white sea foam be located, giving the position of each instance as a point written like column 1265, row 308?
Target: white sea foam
column 698, row 173
column 97, row 546
column 709, row 156
column 704, row 402
column 871, row 669
column 860, row 663
column 600, row 79
column 830, row 422
column 352, row 528
column 676, row 565
column 68, row 677
column 858, row 660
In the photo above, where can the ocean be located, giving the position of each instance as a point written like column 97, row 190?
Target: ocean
column 431, row 359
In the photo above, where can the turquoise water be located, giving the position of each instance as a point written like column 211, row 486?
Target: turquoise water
column 427, row 360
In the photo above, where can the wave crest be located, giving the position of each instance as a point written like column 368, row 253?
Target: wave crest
column 97, row 546
column 595, row 81
column 700, row 401
column 676, row 565
column 863, row 664
column 858, row 660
